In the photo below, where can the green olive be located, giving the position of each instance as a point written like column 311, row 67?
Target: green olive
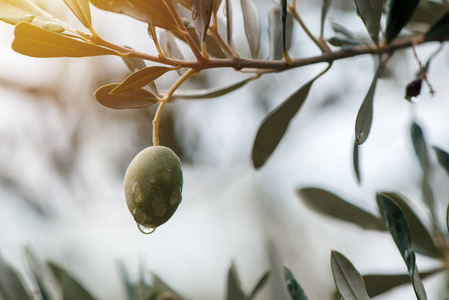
column 153, row 187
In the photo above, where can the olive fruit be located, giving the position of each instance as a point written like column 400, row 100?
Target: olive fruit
column 153, row 186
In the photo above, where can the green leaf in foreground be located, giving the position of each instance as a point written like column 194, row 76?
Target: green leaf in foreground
column 234, row 290
column 347, row 279
column 133, row 99
column 294, row 288
column 439, row 29
column 201, row 13
column 399, row 230
column 370, row 11
column 420, row 146
column 399, row 14
column 11, row 286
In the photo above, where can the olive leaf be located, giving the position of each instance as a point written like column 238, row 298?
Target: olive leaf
column 228, row 13
column 81, row 10
column 399, row 14
column 169, row 46
column 71, row 288
column 154, row 12
column 440, row 28
column 161, row 287
column 428, row 12
column 397, row 224
column 443, row 158
column 252, row 27
column 276, row 32
column 377, row 284
column 13, row 12
column 324, row 9
column 284, row 26
column 331, row 205
column 365, row 115
column 370, row 11
column 347, row 279
column 11, row 285
column 201, row 14
column 275, row 124
column 234, row 289
column 38, row 273
column 259, row 285
column 213, row 48
column 294, row 288
column 129, row 286
column 356, row 162
column 420, row 146
column 37, row 42
column 134, row 99
column 140, row 79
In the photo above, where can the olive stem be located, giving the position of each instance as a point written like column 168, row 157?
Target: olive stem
column 157, row 116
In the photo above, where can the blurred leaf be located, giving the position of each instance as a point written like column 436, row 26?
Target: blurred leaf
column 399, row 14
column 38, row 273
column 13, row 12
column 284, row 26
column 71, row 288
column 201, row 13
column 274, row 125
column 140, row 79
column 129, row 286
column 422, row 239
column 11, row 286
column 356, row 162
column 397, row 225
column 260, row 284
column 275, row 33
column 37, row 42
column 163, row 288
column 294, row 288
column 134, row 99
column 333, row 206
column 443, row 158
column 347, row 279
column 324, row 9
column 154, row 12
column 439, row 29
column 217, row 4
column 339, row 40
column 413, row 89
column 428, row 12
column 365, row 114
column 420, row 146
column 169, row 46
column 210, row 93
column 213, row 49
column 134, row 63
column 377, row 284
column 338, row 28
column 235, row 291
column 228, row 13
column 81, row 10
column 370, row 11
column 252, row 28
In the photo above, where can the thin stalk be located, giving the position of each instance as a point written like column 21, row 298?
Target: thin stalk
column 422, row 70
column 152, row 31
column 229, row 51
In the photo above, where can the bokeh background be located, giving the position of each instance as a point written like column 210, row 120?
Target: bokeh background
column 63, row 157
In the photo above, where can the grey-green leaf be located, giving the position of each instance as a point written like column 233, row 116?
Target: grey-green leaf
column 201, row 14
column 420, row 146
column 347, row 279
column 365, row 114
column 333, row 206
column 234, row 290
column 252, row 27
column 324, row 9
column 294, row 288
column 140, row 78
column 439, row 29
column 260, row 284
column 356, row 162
column 399, row 14
column 443, row 158
column 275, row 32
column 228, row 12
column 397, row 224
column 284, row 25
column 11, row 286
column 370, row 11
column 134, row 99
column 274, row 125
column 71, row 288
column 38, row 273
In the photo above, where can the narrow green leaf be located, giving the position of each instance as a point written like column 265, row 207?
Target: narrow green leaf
column 397, row 224
column 294, row 288
column 399, row 14
column 274, row 125
column 162, row 287
column 260, row 284
column 324, row 9
column 420, row 146
column 39, row 273
column 443, row 158
column 81, row 10
column 370, row 11
column 284, row 25
column 140, row 78
column 71, row 288
column 228, row 12
column 252, row 27
column 339, row 40
column 347, row 279
column 134, row 99
column 234, row 290
column 365, row 114
column 276, row 33
column 37, row 42
column 201, row 14
column 439, row 29
column 377, row 284
column 356, row 162
column 333, row 206
column 11, row 286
